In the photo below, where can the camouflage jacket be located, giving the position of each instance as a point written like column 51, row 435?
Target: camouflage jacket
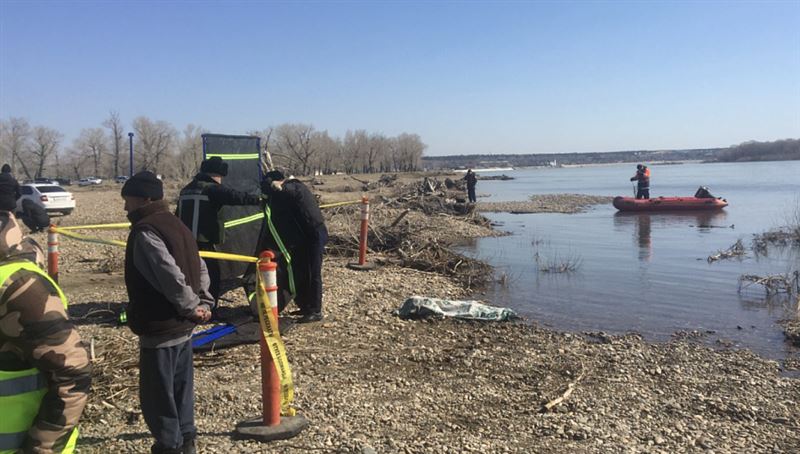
column 35, row 331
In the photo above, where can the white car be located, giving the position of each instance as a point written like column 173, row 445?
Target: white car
column 88, row 181
column 54, row 199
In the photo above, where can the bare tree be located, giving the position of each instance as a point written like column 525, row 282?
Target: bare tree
column 294, row 143
column 44, row 145
column 115, row 129
column 16, row 133
column 354, row 148
column 190, row 151
column 377, row 146
column 267, row 139
column 408, row 151
column 328, row 155
column 155, row 139
column 92, row 142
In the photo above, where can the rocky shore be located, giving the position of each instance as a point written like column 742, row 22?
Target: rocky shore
column 369, row 382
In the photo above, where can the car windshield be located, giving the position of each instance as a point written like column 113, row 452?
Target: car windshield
column 44, row 189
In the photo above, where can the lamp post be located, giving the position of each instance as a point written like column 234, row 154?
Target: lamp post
column 130, row 142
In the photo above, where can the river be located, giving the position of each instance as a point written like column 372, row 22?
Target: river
column 646, row 273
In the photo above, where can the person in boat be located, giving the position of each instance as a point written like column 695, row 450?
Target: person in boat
column 472, row 181
column 643, row 181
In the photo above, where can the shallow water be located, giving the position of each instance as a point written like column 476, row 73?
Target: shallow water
column 647, row 272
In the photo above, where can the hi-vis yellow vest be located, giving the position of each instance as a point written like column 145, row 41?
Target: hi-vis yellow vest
column 21, row 391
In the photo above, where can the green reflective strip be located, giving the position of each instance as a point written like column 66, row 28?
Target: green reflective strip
column 286, row 255
column 233, row 156
column 22, row 385
column 244, row 220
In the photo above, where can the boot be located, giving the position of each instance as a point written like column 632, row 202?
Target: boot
column 190, row 445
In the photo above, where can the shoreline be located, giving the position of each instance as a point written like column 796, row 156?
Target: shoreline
column 370, row 382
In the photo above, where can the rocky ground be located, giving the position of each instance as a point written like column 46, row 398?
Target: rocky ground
column 370, row 382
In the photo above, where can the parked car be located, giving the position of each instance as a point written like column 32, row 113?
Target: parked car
column 45, row 181
column 121, row 179
column 88, row 181
column 64, row 181
column 54, row 199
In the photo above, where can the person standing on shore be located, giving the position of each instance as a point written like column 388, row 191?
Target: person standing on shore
column 643, row 185
column 167, row 285
column 199, row 208
column 297, row 229
column 472, row 181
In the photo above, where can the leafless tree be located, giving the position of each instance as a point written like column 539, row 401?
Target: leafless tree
column 44, row 145
column 354, row 148
column 190, row 151
column 328, row 157
column 115, row 130
column 408, row 150
column 15, row 135
column 93, row 143
column 293, row 141
column 155, row 140
column 377, row 147
column 267, row 139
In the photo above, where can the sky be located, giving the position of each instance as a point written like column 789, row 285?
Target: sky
column 468, row 77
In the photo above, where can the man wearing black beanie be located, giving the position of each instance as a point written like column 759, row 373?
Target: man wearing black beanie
column 199, row 208
column 168, row 295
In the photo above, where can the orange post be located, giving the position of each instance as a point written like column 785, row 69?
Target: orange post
column 270, row 382
column 362, row 243
column 52, row 253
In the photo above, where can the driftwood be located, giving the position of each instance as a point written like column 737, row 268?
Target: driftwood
column 779, row 283
column 565, row 395
column 737, row 250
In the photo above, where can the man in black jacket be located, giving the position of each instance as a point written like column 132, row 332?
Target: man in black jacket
column 167, row 285
column 199, row 208
column 295, row 226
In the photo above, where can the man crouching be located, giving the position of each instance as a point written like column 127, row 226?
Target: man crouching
column 168, row 295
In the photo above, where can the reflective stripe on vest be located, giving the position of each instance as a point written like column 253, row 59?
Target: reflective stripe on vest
column 21, row 391
column 193, row 197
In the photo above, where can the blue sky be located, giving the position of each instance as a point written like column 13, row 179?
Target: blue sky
column 468, row 77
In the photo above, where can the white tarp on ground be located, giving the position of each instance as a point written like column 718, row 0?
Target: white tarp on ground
column 422, row 307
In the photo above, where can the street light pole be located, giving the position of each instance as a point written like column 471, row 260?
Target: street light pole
column 130, row 141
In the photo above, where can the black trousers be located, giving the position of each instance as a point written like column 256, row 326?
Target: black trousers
column 166, row 393
column 471, row 194
column 643, row 193
column 213, row 271
column 307, row 267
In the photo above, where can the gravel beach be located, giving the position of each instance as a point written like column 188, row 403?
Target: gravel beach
column 369, row 382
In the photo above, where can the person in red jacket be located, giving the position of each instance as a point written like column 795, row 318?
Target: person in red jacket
column 643, row 185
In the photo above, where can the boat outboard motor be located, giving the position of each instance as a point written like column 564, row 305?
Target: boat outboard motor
column 703, row 193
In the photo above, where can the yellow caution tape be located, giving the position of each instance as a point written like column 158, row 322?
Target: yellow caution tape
column 226, row 256
column 88, row 239
column 331, row 205
column 269, row 329
column 121, row 225
column 204, row 254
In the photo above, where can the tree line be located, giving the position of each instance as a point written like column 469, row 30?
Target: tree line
column 103, row 150
column 779, row 150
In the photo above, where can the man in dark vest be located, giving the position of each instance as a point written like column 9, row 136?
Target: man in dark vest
column 168, row 295
column 199, row 208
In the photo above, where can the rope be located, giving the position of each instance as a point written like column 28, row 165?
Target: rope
column 204, row 254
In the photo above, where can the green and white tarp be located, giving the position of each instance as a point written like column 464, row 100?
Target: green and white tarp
column 423, row 307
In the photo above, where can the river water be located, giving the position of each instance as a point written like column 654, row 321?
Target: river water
column 646, row 272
